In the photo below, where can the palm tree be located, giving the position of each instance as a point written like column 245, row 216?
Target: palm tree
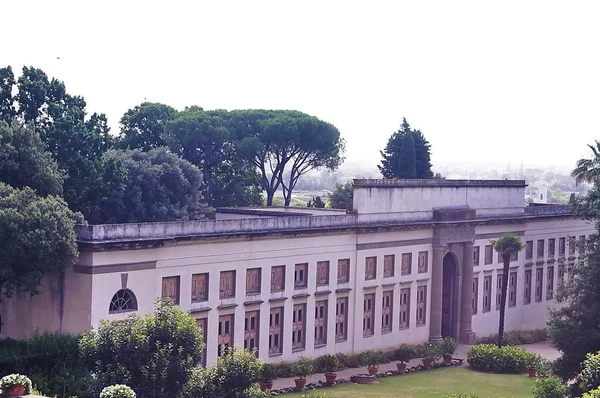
column 588, row 170
column 506, row 246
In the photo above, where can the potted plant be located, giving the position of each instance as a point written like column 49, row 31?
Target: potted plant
column 117, row 391
column 372, row 359
column 329, row 363
column 302, row 369
column 429, row 352
column 447, row 348
column 533, row 363
column 15, row 385
column 403, row 353
column 267, row 374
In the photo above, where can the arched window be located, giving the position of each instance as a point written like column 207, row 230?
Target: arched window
column 124, row 300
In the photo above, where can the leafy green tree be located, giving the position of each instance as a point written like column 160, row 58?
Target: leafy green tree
column 285, row 145
column 588, row 170
column 405, row 157
column 589, row 378
column 7, row 105
column 235, row 371
column 38, row 238
column 143, row 127
column 506, row 246
column 316, row 202
column 154, row 354
column 207, row 140
column 25, row 162
column 342, row 195
column 160, row 186
column 76, row 141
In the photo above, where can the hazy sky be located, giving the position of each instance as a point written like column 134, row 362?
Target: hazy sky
column 503, row 81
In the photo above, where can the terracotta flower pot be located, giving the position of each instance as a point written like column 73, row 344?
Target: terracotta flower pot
column 330, row 378
column 265, row 385
column 373, row 371
column 427, row 363
column 401, row 367
column 300, row 383
column 447, row 359
column 531, row 372
column 16, row 390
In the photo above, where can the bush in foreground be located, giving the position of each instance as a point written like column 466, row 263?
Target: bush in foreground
column 490, row 358
column 551, row 387
column 117, row 391
column 589, row 378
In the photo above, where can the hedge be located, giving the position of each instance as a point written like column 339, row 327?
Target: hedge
column 490, row 358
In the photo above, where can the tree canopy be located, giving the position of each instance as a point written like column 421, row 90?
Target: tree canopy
column 342, row 195
column 160, row 186
column 25, row 162
column 406, row 155
column 143, row 127
column 588, row 170
column 38, row 237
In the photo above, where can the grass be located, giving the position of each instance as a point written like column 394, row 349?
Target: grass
column 435, row 384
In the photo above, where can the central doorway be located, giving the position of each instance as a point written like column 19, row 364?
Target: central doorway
column 449, row 289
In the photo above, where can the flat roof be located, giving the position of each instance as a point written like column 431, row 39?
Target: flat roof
column 420, row 183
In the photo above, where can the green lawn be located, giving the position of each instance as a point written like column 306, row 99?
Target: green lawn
column 435, row 384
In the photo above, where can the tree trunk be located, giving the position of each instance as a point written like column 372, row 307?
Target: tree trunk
column 270, row 195
column 505, row 270
column 206, row 172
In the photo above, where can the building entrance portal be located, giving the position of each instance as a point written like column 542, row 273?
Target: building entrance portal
column 449, row 297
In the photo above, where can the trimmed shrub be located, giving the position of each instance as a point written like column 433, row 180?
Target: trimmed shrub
column 326, row 364
column 515, row 337
column 117, row 391
column 283, row 369
column 589, row 378
column 490, row 358
column 370, row 358
column 8, row 381
column 592, row 394
column 348, row 361
column 51, row 361
column 551, row 387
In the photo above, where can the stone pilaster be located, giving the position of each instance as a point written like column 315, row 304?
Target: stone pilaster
column 437, row 274
column 466, row 335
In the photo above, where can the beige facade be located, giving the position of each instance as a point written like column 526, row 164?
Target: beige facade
column 411, row 262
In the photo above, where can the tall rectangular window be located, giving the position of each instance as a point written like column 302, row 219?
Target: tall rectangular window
column 539, row 281
column 389, row 263
column 370, row 268
column 512, row 289
column 276, row 331
column 202, row 324
column 423, row 261
column 405, row 308
column 487, row 293
column 343, row 273
column 387, row 311
column 488, row 255
column 199, row 288
column 475, row 294
column 170, row 288
column 253, row 281
column 527, row 290
column 301, row 276
column 540, row 249
column 227, row 284
column 498, row 291
column 476, row 256
column 561, row 246
column 551, row 247
column 550, row 284
column 368, row 314
column 529, row 250
column 341, row 319
column 561, row 274
column 298, row 324
column 320, row 323
column 571, row 245
column 251, row 330
column 514, row 256
column 406, row 264
column 322, row 273
column 225, row 332
column 277, row 278
column 421, row 305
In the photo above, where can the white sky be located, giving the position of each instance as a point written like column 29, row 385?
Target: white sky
column 503, row 81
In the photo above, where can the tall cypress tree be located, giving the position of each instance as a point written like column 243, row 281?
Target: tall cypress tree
column 395, row 165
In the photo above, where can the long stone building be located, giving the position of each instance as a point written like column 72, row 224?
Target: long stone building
column 410, row 262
